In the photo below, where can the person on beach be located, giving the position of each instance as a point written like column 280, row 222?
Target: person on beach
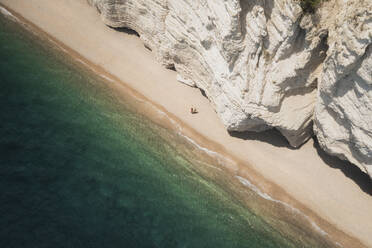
column 193, row 110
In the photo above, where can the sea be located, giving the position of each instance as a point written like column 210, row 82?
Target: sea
column 81, row 166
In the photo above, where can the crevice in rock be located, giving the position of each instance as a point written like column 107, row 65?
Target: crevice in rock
column 320, row 54
column 203, row 93
column 246, row 6
column 299, row 40
column 171, row 67
column 309, row 73
column 356, row 64
column 268, row 8
column 147, row 47
column 126, row 30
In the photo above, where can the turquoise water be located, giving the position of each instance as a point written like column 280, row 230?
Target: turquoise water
column 78, row 168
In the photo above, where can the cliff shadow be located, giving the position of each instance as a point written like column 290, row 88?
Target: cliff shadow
column 126, row 31
column 203, row 93
column 272, row 136
column 348, row 169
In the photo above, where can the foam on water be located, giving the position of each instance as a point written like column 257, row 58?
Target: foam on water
column 220, row 158
column 7, row 14
column 264, row 195
column 106, row 77
column 81, row 61
column 244, row 181
column 179, row 130
column 208, row 165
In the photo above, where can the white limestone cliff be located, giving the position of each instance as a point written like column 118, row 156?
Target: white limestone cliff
column 343, row 112
column 266, row 64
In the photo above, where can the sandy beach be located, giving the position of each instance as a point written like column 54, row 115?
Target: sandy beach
column 334, row 194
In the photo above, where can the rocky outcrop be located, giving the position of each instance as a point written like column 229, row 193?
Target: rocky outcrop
column 266, row 64
column 343, row 112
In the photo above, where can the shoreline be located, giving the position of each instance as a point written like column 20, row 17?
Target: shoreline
column 245, row 167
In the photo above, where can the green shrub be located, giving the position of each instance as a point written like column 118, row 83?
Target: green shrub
column 309, row 6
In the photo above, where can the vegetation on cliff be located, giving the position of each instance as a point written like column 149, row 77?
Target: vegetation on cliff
column 309, row 6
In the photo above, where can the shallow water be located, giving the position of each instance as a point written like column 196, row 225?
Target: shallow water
column 79, row 169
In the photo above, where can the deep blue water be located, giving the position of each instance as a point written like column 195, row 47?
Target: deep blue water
column 78, row 168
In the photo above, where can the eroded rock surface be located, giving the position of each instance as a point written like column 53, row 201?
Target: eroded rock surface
column 265, row 64
column 343, row 113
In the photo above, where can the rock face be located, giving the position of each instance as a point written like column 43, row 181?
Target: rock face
column 265, row 64
column 343, row 112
